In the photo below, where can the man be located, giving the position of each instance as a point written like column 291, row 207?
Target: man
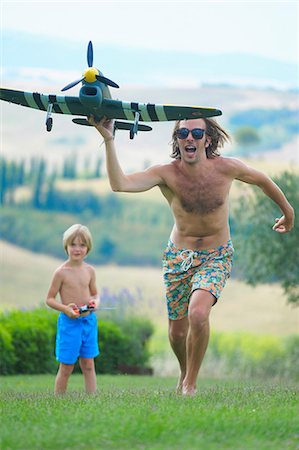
column 197, row 261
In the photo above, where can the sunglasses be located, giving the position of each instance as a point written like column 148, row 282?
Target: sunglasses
column 183, row 133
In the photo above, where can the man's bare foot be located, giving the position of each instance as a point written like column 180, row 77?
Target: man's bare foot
column 180, row 385
column 188, row 391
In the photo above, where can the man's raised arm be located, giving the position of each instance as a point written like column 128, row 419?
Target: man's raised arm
column 252, row 176
column 120, row 182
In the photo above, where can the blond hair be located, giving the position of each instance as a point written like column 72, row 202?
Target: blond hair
column 217, row 134
column 77, row 230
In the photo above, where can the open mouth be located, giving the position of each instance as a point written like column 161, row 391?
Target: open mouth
column 190, row 149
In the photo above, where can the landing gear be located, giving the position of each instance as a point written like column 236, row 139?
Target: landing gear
column 134, row 128
column 49, row 120
column 49, row 123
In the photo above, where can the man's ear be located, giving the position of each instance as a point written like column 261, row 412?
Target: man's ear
column 208, row 141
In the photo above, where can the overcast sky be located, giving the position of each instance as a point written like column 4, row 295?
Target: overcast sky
column 267, row 28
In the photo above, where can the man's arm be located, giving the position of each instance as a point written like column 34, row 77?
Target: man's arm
column 252, row 176
column 120, row 182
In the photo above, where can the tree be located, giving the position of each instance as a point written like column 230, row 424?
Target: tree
column 39, row 184
column 262, row 254
column 247, row 136
column 3, row 180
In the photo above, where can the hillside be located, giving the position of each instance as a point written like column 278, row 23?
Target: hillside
column 262, row 310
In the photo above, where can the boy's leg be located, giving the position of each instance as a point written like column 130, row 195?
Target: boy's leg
column 62, row 377
column 89, row 374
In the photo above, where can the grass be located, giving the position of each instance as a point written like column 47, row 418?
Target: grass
column 131, row 412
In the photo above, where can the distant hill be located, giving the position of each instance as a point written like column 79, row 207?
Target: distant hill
column 130, row 66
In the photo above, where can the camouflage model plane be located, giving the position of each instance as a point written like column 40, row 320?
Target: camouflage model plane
column 95, row 99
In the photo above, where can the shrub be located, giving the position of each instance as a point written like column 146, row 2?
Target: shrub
column 139, row 330
column 27, row 343
column 33, row 335
column 247, row 355
column 124, row 346
column 113, row 344
column 6, row 352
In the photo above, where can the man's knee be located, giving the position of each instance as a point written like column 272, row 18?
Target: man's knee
column 198, row 317
column 199, row 308
column 177, row 330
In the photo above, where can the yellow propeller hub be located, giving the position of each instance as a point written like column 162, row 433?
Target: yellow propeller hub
column 90, row 75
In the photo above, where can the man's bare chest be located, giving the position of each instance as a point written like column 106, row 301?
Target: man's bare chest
column 200, row 195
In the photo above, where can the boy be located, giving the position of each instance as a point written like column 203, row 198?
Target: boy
column 75, row 281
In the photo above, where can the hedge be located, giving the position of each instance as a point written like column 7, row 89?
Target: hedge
column 27, row 344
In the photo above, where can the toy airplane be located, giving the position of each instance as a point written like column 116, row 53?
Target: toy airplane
column 95, row 99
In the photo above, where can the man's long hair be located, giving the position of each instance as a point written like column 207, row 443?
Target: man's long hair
column 217, row 134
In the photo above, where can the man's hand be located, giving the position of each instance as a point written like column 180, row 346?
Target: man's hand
column 283, row 225
column 105, row 127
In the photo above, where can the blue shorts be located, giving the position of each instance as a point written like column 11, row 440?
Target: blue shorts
column 76, row 338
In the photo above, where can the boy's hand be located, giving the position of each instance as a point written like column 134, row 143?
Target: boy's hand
column 72, row 311
column 92, row 304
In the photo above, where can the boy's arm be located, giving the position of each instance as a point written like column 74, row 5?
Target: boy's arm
column 119, row 182
column 51, row 297
column 94, row 296
column 252, row 176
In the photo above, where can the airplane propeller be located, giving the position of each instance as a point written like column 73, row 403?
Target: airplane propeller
column 91, row 74
column 89, row 54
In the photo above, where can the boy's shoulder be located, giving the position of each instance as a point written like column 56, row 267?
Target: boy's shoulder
column 61, row 269
column 89, row 267
column 65, row 268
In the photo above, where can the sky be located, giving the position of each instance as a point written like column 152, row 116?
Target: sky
column 265, row 28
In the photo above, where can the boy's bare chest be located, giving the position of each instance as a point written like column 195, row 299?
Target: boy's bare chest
column 78, row 279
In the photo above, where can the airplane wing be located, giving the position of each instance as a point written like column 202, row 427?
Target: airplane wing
column 112, row 109
column 61, row 104
column 150, row 112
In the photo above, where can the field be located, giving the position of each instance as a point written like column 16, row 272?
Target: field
column 132, row 413
column 261, row 310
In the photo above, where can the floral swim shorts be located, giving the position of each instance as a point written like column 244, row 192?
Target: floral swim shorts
column 185, row 271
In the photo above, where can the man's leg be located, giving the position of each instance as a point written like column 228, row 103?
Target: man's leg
column 89, row 374
column 62, row 378
column 177, row 333
column 197, row 340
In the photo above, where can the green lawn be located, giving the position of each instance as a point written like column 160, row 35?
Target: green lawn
column 131, row 412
